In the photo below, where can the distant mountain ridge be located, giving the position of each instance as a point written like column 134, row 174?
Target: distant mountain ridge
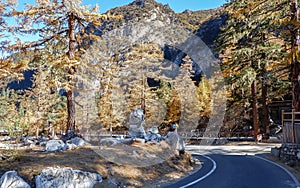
column 204, row 23
column 152, row 10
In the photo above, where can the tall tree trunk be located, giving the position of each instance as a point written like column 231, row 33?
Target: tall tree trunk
column 265, row 107
column 255, row 109
column 71, row 72
column 295, row 68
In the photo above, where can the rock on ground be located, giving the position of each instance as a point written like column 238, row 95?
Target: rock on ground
column 11, row 180
column 66, row 178
column 175, row 141
column 5, row 138
column 78, row 141
column 153, row 130
column 136, row 131
column 276, row 152
column 75, row 143
column 70, row 146
column 153, row 137
column 136, row 117
column 55, row 145
column 136, row 122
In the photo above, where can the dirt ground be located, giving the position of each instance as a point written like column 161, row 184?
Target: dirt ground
column 30, row 162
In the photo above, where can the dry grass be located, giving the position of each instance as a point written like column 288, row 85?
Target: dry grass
column 30, row 163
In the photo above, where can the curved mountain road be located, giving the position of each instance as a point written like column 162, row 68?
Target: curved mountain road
column 223, row 169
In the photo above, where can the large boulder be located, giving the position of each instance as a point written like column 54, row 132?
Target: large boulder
column 136, row 131
column 75, row 143
column 55, row 145
column 136, row 123
column 11, row 180
column 78, row 141
column 175, row 141
column 66, row 178
column 136, row 117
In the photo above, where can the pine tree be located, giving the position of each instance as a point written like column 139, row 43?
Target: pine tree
column 252, row 52
column 295, row 49
column 141, row 62
column 61, row 24
column 204, row 95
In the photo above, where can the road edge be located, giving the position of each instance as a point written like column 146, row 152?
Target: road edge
column 296, row 181
column 206, row 175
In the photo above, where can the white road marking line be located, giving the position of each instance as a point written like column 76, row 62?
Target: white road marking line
column 288, row 172
column 206, row 175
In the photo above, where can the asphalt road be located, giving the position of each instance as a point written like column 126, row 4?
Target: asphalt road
column 223, row 170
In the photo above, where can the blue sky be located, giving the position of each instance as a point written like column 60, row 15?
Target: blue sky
column 176, row 5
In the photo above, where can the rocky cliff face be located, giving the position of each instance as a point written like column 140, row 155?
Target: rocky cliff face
column 205, row 24
column 144, row 10
column 150, row 10
column 193, row 20
column 211, row 28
